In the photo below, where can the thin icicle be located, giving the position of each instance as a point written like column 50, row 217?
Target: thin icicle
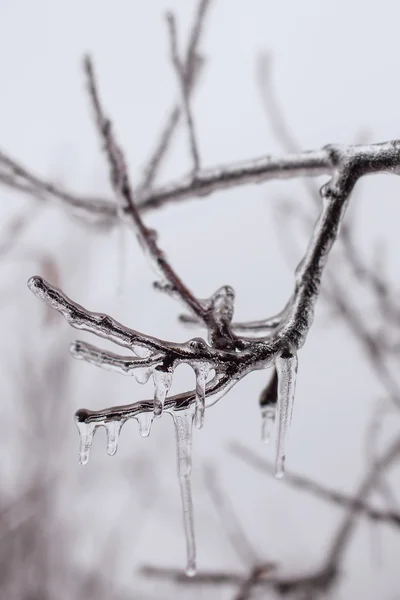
column 113, row 429
column 162, row 383
column 268, row 413
column 202, row 372
column 86, row 432
column 286, row 368
column 183, row 420
column 145, row 421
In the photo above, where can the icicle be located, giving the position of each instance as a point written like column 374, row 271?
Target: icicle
column 86, row 432
column 286, row 368
column 183, row 420
column 142, row 375
column 113, row 429
column 162, row 383
column 202, row 372
column 145, row 420
column 267, row 422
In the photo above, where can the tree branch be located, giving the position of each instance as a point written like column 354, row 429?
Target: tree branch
column 121, row 185
column 192, row 67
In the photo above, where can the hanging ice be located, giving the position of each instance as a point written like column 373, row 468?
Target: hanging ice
column 162, row 383
column 113, row 429
column 183, row 420
column 142, row 375
column 202, row 372
column 145, row 420
column 86, row 432
column 267, row 422
column 286, row 368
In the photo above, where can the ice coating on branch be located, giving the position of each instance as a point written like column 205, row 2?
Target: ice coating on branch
column 86, row 432
column 145, row 421
column 286, row 368
column 142, row 375
column 202, row 371
column 222, row 303
column 183, row 421
column 113, row 429
column 141, row 351
column 267, row 422
column 162, row 383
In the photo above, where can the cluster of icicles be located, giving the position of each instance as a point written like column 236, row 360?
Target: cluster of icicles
column 286, row 369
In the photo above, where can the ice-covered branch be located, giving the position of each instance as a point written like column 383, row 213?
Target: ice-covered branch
column 125, row 365
column 194, row 351
column 15, row 176
column 288, row 336
column 255, row 329
column 220, row 334
column 231, row 357
column 310, row 584
column 370, row 158
column 234, row 349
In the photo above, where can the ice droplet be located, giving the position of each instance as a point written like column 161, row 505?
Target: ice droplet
column 286, row 368
column 142, row 375
column 145, row 420
column 113, row 429
column 86, row 432
column 267, row 422
column 202, row 372
column 162, row 383
column 183, row 421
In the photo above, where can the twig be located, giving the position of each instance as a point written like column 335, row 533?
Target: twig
column 229, row 520
column 23, row 180
column 373, row 350
column 184, row 90
column 17, row 227
column 201, row 578
column 123, row 190
column 160, row 151
column 370, row 480
column 257, row 574
column 193, row 65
